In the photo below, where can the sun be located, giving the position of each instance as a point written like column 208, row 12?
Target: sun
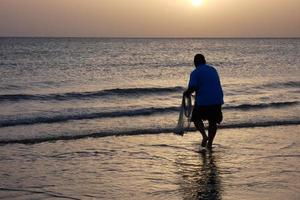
column 197, row 2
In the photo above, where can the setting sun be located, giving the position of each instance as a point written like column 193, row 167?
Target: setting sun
column 197, row 2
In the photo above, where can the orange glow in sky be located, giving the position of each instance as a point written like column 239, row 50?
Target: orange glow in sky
column 150, row 18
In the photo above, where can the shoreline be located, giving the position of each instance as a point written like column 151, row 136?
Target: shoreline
column 32, row 141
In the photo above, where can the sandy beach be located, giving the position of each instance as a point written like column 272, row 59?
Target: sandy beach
column 255, row 163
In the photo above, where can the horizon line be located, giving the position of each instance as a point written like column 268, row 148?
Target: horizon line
column 155, row 37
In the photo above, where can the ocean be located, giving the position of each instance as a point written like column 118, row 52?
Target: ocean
column 62, row 93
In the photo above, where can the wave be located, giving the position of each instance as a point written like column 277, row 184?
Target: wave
column 263, row 105
column 145, row 132
column 93, row 115
column 125, row 113
column 115, row 92
column 289, row 84
column 88, row 95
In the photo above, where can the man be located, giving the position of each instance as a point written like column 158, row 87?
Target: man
column 205, row 81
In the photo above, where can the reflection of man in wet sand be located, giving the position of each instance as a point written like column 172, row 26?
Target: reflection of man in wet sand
column 210, row 179
column 205, row 81
column 203, row 182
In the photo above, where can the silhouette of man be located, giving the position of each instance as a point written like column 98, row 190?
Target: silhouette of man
column 205, row 81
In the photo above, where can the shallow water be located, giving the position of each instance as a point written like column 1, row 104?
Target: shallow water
column 256, row 163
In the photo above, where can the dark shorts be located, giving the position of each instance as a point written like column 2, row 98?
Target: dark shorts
column 211, row 113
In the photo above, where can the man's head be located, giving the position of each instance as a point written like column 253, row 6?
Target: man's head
column 199, row 60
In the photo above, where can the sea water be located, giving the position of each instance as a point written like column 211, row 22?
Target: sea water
column 63, row 101
column 65, row 88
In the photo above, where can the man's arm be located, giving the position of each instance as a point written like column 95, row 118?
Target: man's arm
column 189, row 91
column 192, row 85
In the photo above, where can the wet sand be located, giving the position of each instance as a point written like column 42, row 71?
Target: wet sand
column 256, row 163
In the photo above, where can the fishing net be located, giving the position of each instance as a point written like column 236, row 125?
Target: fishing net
column 185, row 115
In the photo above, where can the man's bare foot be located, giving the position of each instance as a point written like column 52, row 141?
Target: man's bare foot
column 209, row 145
column 204, row 141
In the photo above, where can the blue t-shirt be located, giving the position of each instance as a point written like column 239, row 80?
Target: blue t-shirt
column 206, row 81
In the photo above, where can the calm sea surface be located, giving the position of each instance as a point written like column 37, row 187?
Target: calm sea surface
column 63, row 101
column 66, row 88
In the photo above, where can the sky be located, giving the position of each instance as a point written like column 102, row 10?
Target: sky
column 150, row 18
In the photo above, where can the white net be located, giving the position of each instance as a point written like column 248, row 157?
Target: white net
column 185, row 115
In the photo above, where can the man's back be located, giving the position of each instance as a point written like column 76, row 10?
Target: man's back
column 206, row 81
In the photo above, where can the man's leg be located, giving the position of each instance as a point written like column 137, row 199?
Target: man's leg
column 212, row 130
column 200, row 127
